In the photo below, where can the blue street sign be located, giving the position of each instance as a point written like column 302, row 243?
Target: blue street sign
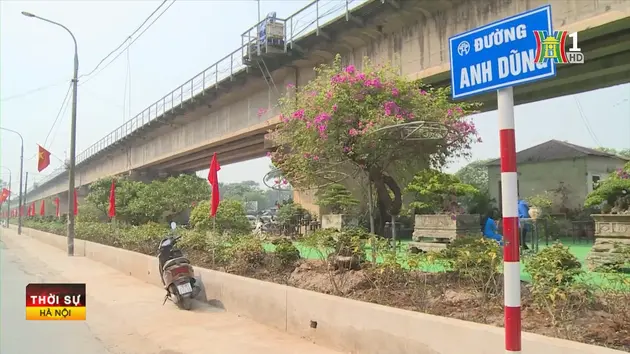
column 500, row 54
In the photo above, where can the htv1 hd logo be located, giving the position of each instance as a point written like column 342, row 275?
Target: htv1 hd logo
column 553, row 47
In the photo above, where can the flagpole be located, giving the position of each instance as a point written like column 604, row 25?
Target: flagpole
column 25, row 189
column 9, row 198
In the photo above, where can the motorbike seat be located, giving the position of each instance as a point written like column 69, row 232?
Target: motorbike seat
column 175, row 261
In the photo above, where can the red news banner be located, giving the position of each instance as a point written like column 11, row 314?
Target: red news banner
column 55, row 302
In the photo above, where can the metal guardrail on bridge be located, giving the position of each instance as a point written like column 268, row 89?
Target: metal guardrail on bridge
column 310, row 18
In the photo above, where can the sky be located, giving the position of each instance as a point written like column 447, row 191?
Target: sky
column 36, row 67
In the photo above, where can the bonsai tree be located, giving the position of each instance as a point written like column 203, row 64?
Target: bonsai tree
column 436, row 192
column 612, row 195
column 349, row 123
column 337, row 198
column 542, row 201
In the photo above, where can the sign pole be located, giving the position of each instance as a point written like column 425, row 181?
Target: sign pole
column 511, row 258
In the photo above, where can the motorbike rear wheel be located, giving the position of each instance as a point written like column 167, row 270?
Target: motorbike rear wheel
column 184, row 303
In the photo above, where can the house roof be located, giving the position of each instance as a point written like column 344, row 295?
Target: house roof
column 554, row 150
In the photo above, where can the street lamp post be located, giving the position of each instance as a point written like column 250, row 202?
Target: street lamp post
column 9, row 198
column 73, row 133
column 21, row 174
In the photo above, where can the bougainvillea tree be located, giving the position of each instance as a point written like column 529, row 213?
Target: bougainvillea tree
column 373, row 122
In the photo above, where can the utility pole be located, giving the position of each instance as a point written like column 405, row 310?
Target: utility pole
column 73, row 133
column 20, row 197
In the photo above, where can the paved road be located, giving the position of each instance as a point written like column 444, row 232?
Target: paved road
column 34, row 337
column 124, row 315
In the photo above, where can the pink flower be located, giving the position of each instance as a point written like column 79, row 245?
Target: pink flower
column 346, row 149
column 373, row 83
column 290, row 86
column 391, row 108
column 284, row 181
column 299, row 114
column 350, row 69
column 353, row 132
column 334, row 108
column 329, row 95
column 268, row 153
column 261, row 112
column 423, row 92
column 395, row 92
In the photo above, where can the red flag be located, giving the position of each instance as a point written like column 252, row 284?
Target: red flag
column 43, row 159
column 76, row 203
column 57, row 207
column 112, row 199
column 214, row 181
column 5, row 195
column 33, row 209
column 42, row 208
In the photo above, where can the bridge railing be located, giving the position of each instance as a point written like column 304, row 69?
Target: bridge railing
column 298, row 25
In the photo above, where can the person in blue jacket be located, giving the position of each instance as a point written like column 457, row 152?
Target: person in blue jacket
column 489, row 227
column 523, row 213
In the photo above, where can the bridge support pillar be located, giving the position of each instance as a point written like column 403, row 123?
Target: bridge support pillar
column 307, row 200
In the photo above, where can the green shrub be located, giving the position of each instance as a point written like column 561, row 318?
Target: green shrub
column 286, row 252
column 88, row 212
column 103, row 233
column 247, row 254
column 553, row 271
column 475, row 260
column 144, row 238
column 194, row 239
column 230, row 218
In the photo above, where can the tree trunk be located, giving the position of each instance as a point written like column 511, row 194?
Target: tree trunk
column 386, row 205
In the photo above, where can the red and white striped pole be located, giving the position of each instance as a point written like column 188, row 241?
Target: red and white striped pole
column 511, row 259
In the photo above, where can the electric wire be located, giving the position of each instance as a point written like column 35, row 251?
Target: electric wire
column 62, row 108
column 130, row 43
column 125, row 91
column 125, row 41
column 586, row 122
column 30, row 92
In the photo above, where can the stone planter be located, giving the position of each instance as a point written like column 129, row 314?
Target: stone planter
column 610, row 230
column 338, row 221
column 446, row 227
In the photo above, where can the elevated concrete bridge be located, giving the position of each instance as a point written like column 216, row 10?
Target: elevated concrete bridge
column 229, row 107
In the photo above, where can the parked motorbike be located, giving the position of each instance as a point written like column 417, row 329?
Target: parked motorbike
column 176, row 272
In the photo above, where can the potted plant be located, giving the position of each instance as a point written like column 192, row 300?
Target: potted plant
column 438, row 213
column 539, row 205
column 341, row 205
column 612, row 224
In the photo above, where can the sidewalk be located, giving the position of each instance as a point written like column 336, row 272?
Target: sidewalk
column 128, row 315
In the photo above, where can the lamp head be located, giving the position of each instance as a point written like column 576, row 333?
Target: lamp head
column 27, row 14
